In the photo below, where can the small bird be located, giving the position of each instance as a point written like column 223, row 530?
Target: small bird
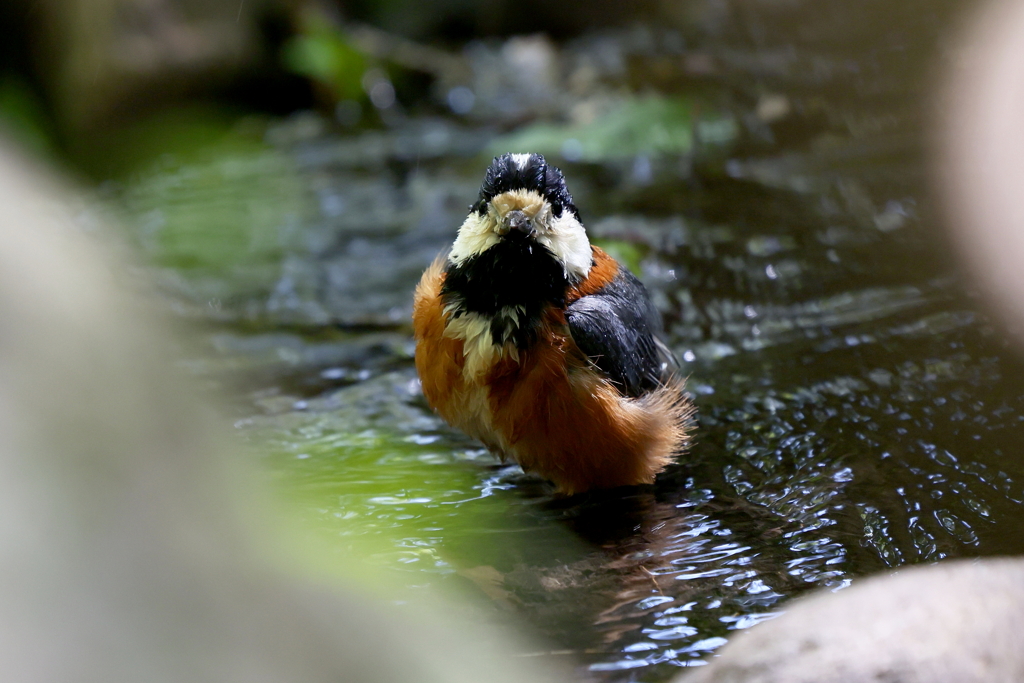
column 541, row 345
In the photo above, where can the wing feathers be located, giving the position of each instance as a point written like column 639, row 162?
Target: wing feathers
column 616, row 327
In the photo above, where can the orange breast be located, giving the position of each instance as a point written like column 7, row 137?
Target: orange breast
column 570, row 425
column 439, row 359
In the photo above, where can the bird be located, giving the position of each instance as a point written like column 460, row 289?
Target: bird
column 542, row 346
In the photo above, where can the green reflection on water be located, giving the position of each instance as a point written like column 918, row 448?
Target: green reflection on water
column 425, row 510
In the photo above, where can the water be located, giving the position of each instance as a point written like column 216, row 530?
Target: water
column 858, row 411
column 856, row 414
column 849, row 461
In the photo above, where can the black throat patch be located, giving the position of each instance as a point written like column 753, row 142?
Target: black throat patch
column 512, row 283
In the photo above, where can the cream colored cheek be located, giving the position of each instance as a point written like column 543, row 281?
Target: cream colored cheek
column 476, row 235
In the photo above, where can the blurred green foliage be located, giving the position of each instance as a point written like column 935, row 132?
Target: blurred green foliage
column 648, row 125
column 322, row 52
column 24, row 117
column 628, row 253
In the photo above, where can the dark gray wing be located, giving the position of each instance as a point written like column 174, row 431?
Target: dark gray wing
column 616, row 328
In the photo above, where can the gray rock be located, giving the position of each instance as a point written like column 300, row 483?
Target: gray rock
column 957, row 621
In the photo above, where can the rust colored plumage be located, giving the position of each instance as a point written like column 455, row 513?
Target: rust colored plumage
column 601, row 274
column 547, row 406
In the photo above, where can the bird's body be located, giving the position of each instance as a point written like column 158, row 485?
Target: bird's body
column 542, row 346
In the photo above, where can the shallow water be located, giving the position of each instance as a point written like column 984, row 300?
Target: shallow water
column 854, row 417
column 857, row 409
column 816, row 462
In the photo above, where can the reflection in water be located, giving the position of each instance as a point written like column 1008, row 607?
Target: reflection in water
column 677, row 567
column 795, row 488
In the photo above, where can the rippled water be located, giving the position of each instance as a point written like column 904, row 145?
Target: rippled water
column 856, row 413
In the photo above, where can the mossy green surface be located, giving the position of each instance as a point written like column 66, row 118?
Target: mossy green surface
column 226, row 214
column 206, row 197
column 645, row 125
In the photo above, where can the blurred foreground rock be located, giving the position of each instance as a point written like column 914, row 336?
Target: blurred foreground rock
column 956, row 621
column 127, row 550
column 979, row 148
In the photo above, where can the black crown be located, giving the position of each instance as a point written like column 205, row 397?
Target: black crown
column 505, row 175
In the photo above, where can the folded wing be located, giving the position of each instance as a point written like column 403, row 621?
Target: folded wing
column 617, row 328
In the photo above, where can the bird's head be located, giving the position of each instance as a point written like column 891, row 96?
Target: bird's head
column 524, row 209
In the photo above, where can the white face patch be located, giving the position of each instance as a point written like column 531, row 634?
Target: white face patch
column 563, row 236
column 477, row 235
column 567, row 240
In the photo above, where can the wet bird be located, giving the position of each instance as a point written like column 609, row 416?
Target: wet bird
column 541, row 345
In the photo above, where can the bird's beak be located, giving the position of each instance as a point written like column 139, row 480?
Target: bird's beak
column 517, row 221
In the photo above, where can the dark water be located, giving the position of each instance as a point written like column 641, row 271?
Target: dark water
column 858, row 411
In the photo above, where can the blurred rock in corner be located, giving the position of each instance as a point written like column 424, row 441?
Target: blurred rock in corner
column 952, row 622
column 979, row 145
column 130, row 548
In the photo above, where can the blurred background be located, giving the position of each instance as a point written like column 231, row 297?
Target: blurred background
column 285, row 169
